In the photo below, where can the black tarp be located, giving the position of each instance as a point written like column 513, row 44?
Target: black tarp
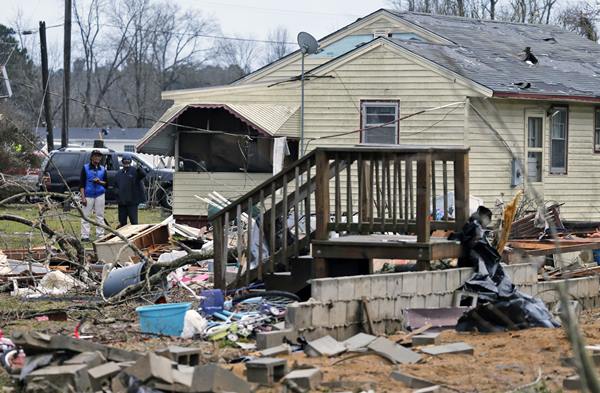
column 500, row 306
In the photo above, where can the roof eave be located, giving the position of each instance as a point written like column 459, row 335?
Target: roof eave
column 546, row 97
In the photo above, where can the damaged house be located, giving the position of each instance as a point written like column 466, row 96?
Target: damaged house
column 522, row 97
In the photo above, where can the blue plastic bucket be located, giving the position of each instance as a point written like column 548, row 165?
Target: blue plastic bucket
column 163, row 318
column 597, row 256
column 212, row 302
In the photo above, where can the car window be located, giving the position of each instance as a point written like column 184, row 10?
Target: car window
column 64, row 162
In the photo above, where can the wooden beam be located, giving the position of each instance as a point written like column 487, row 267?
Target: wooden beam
column 322, row 206
column 423, row 204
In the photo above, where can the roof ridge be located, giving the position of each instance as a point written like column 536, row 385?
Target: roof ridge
column 466, row 18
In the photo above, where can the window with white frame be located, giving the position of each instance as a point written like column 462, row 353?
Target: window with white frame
column 129, row 148
column 559, row 118
column 535, row 137
column 597, row 130
column 379, row 122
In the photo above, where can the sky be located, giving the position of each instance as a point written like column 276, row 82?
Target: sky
column 244, row 18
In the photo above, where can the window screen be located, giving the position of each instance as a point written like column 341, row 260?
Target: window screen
column 129, row 148
column 379, row 122
column 558, row 140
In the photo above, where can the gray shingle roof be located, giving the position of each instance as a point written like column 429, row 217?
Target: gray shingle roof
column 489, row 53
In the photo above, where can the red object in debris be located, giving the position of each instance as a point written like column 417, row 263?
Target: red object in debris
column 76, row 331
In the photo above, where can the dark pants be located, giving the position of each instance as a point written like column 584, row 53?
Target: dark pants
column 130, row 211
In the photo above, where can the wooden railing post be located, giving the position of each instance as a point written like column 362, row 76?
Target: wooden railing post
column 220, row 249
column 423, row 204
column 461, row 190
column 365, row 190
column 322, row 206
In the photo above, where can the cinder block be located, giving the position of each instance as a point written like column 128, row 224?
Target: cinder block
column 266, row 371
column 465, row 274
column 73, row 377
column 337, row 314
column 387, row 309
column 320, row 315
column 453, row 348
column 182, row 355
column 362, row 287
column 453, row 279
column 324, row 289
column 439, row 281
column 90, row 359
column 101, row 375
column 394, row 285
column 266, row 340
column 373, row 306
column 426, row 339
column 353, row 311
column 299, row 316
column 424, row 283
column 307, row 379
column 410, row 381
column 409, row 284
column 432, row 301
column 401, row 303
column 346, row 288
column 572, row 383
column 378, row 287
column 316, row 333
column 446, row 300
column 417, row 301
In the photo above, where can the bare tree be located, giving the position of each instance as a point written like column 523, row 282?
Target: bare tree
column 582, row 19
column 278, row 45
column 240, row 52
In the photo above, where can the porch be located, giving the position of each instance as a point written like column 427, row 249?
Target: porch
column 344, row 207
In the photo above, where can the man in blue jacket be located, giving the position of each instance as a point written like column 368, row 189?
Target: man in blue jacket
column 93, row 181
column 129, row 190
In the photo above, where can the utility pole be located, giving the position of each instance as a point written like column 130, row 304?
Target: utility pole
column 46, row 87
column 64, row 135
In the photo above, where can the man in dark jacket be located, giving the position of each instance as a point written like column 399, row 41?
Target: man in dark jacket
column 129, row 190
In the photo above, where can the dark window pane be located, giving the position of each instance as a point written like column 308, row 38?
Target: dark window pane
column 597, row 130
column 534, row 126
column 380, row 119
column 388, row 109
column 558, row 154
column 62, row 161
column 534, row 166
column 558, row 123
column 381, row 135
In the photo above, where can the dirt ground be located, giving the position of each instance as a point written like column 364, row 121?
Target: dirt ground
column 501, row 362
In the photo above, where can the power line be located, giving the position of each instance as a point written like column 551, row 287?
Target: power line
column 279, row 10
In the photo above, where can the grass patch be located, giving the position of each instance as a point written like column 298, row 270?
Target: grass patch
column 16, row 235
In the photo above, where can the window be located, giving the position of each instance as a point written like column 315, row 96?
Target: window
column 597, row 130
column 129, row 148
column 378, row 120
column 344, row 45
column 558, row 139
column 535, row 132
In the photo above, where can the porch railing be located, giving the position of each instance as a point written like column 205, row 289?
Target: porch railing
column 352, row 190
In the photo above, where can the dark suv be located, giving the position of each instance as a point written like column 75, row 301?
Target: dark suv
column 69, row 161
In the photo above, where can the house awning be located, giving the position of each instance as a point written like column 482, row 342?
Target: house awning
column 265, row 118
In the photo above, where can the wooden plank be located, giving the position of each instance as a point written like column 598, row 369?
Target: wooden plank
column 384, row 187
column 433, row 189
column 461, row 190
column 407, row 193
column 220, row 261
column 417, row 251
column 322, row 208
column 249, row 241
column 377, row 188
column 395, row 192
column 338, row 196
column 371, row 198
column 307, row 211
column 238, row 221
column 349, row 213
column 284, row 215
column 273, row 229
column 389, row 226
column 296, row 212
column 389, row 186
column 261, row 233
column 423, row 204
column 361, row 192
column 445, row 185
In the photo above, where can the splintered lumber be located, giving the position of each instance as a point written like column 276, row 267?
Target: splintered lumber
column 112, row 249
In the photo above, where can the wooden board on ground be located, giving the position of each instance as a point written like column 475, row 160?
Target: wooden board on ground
column 111, row 248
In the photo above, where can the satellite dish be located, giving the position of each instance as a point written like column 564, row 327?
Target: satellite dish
column 307, row 43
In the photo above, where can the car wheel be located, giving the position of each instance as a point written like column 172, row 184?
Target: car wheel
column 167, row 199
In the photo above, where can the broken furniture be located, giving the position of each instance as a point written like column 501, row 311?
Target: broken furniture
column 355, row 191
column 111, row 248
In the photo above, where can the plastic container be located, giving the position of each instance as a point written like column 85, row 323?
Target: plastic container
column 121, row 278
column 163, row 318
column 212, row 302
column 596, row 254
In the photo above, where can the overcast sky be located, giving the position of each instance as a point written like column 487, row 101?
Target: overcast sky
column 245, row 18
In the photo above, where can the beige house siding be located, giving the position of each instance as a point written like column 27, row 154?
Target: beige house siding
column 490, row 168
column 230, row 185
column 333, row 106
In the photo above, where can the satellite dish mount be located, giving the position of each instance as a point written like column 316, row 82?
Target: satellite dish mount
column 308, row 46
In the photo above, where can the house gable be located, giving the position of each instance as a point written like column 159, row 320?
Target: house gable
column 379, row 23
